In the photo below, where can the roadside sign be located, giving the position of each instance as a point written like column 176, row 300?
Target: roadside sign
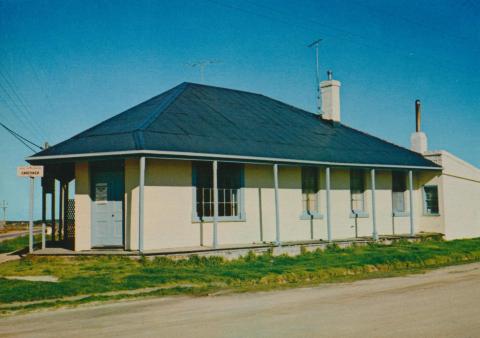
column 30, row 171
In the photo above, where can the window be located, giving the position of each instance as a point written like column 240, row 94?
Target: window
column 229, row 181
column 399, row 186
column 430, row 195
column 357, row 191
column 310, row 190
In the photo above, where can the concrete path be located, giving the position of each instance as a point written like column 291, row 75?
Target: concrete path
column 441, row 303
column 6, row 257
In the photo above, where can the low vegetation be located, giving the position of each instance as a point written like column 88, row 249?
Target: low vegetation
column 112, row 277
column 17, row 243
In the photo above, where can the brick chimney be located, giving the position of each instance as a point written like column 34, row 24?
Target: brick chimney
column 330, row 91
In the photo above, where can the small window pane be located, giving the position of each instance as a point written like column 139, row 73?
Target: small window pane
column 398, row 201
column 399, row 181
column 101, row 193
column 399, row 186
column 357, row 191
column 431, row 200
column 310, row 189
column 229, row 183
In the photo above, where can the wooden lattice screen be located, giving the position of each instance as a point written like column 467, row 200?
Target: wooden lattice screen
column 70, row 224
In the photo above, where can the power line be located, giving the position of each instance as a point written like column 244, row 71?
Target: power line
column 41, row 84
column 382, row 13
column 22, row 139
column 17, row 111
column 4, row 206
column 26, row 110
column 347, row 35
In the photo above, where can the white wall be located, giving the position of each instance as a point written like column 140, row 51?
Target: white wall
column 82, row 207
column 169, row 196
column 459, row 190
column 168, row 207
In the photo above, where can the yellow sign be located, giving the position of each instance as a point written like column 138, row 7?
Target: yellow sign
column 30, row 171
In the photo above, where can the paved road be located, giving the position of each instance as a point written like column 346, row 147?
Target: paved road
column 441, row 303
column 14, row 234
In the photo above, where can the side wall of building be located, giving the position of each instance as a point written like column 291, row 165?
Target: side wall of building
column 461, row 200
column 82, row 207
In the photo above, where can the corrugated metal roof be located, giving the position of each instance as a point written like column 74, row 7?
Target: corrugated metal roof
column 193, row 118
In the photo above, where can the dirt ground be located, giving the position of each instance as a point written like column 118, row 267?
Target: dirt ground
column 440, row 303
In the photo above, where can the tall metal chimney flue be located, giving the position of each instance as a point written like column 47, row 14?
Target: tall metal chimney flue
column 418, row 112
column 418, row 139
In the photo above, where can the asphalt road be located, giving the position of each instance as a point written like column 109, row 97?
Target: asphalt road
column 441, row 303
column 14, row 234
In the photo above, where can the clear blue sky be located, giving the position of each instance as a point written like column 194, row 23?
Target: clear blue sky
column 76, row 63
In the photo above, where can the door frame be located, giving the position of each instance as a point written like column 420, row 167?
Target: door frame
column 94, row 166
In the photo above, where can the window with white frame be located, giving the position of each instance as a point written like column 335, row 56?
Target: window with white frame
column 399, row 187
column 357, row 191
column 229, row 182
column 310, row 189
column 430, row 196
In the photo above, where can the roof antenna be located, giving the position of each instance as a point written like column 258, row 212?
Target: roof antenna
column 201, row 65
column 329, row 75
column 315, row 44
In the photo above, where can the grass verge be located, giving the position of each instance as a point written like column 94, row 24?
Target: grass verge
column 93, row 277
column 17, row 243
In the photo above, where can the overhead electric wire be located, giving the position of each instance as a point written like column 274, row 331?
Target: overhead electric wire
column 21, row 138
column 41, row 84
column 39, row 81
column 352, row 37
column 18, row 113
column 414, row 23
column 26, row 110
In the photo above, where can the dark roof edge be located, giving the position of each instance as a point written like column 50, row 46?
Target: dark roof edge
column 191, row 155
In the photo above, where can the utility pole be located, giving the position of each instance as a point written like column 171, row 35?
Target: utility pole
column 4, row 206
column 201, row 65
column 315, row 44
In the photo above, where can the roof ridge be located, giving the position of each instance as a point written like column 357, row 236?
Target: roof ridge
column 175, row 92
column 221, row 88
column 117, row 115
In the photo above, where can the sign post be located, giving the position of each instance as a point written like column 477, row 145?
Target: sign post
column 31, row 172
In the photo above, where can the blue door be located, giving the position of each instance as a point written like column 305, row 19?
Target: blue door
column 107, row 192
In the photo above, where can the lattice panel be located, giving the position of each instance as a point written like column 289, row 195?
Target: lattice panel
column 70, row 221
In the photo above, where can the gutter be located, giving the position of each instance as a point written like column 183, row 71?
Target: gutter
column 232, row 158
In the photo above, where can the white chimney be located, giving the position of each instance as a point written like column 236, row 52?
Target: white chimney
column 330, row 91
column 418, row 139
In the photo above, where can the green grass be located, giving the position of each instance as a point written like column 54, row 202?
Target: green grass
column 96, row 275
column 18, row 243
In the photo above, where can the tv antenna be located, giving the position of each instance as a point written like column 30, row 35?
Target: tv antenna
column 315, row 44
column 201, row 65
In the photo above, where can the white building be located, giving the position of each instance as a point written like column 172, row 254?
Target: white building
column 207, row 166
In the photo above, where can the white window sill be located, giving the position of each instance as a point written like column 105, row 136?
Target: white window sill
column 431, row 215
column 359, row 214
column 401, row 214
column 220, row 219
column 310, row 215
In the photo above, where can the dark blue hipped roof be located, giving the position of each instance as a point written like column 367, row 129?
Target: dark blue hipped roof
column 195, row 119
